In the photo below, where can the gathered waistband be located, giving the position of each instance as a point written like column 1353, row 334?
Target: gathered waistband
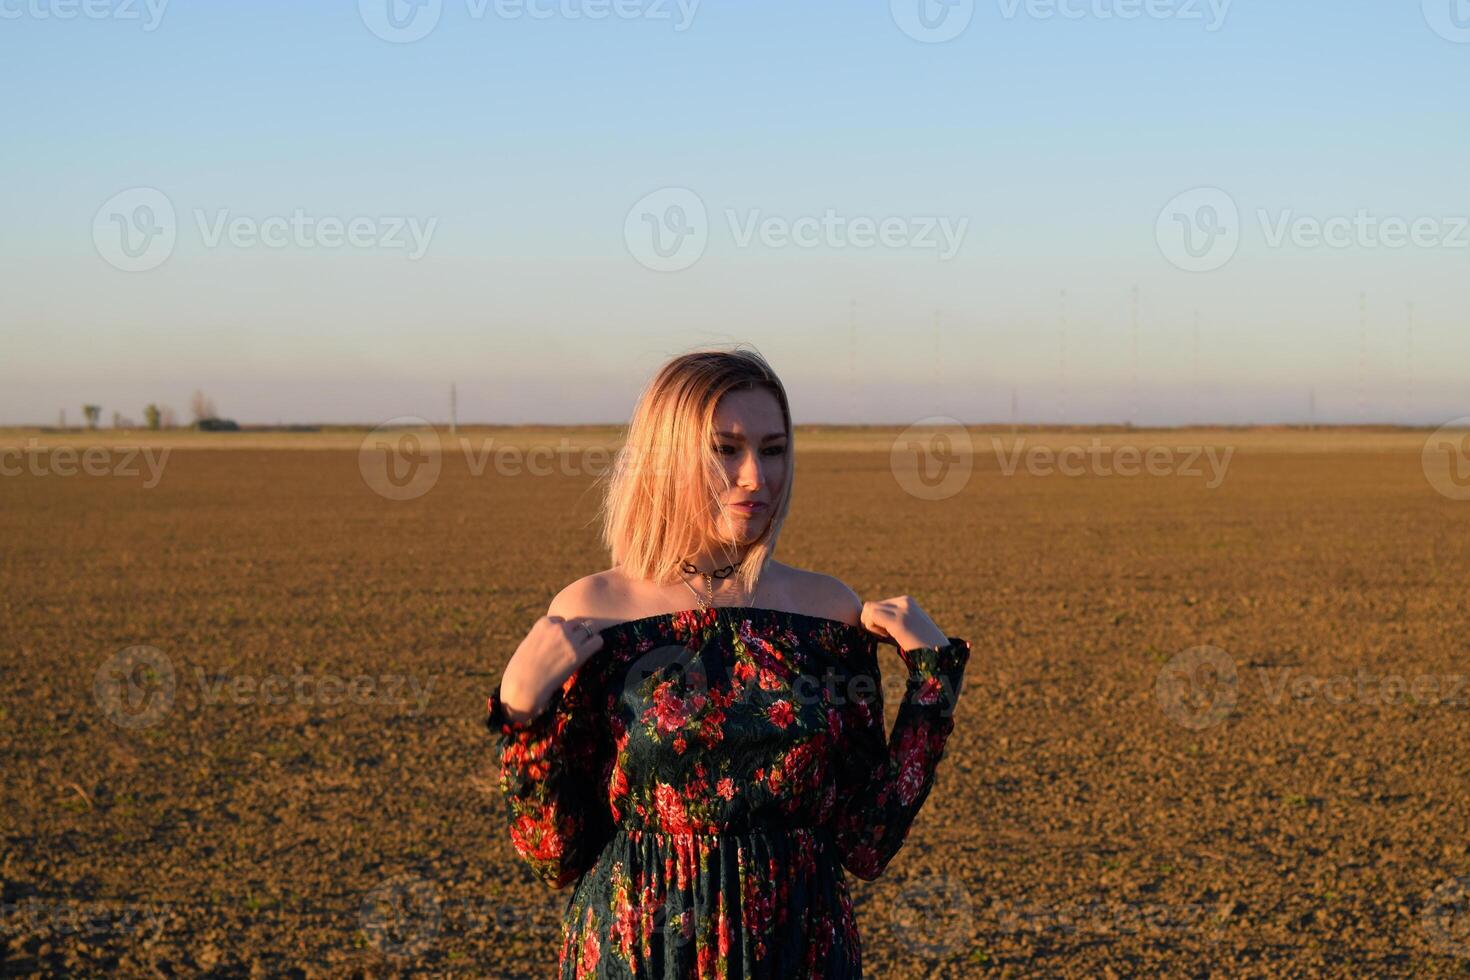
column 818, row 832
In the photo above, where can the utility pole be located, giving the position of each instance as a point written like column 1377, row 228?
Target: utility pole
column 1362, row 357
column 1197, row 419
column 1409, row 369
column 937, row 361
column 1062, row 354
column 852, row 387
column 453, row 411
column 1133, row 407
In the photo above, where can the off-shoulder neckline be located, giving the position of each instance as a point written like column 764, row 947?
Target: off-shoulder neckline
column 743, row 610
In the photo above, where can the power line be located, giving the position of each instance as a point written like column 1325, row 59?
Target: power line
column 1409, row 368
column 1362, row 357
column 1133, row 404
column 1062, row 355
column 1196, row 367
column 938, row 361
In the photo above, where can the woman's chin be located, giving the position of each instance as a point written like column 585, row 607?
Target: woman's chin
column 741, row 533
column 748, row 533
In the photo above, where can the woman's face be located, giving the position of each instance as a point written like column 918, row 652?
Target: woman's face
column 750, row 439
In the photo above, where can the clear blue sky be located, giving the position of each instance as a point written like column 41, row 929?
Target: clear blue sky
column 524, row 143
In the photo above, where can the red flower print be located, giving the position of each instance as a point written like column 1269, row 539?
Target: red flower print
column 661, row 762
column 591, row 952
column 834, row 723
column 744, row 672
column 624, row 927
column 829, row 800
column 862, row 860
column 747, row 635
column 774, row 780
column 691, row 621
column 710, row 732
column 536, row 839
column 911, row 778
column 670, row 710
column 724, row 931
column 670, row 805
column 801, row 765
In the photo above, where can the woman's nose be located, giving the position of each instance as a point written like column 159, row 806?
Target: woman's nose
column 750, row 476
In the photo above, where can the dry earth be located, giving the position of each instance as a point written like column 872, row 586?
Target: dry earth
column 1207, row 730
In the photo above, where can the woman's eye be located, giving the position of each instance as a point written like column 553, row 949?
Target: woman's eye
column 725, row 450
column 774, row 451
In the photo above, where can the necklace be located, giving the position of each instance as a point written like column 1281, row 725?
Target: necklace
column 689, row 568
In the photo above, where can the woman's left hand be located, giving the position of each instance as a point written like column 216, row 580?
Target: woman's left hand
column 901, row 620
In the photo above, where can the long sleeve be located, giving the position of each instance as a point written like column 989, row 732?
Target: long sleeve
column 883, row 781
column 554, row 772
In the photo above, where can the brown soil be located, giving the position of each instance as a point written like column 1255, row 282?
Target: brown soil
column 263, row 824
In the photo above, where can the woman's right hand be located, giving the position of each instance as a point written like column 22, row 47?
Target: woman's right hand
column 553, row 649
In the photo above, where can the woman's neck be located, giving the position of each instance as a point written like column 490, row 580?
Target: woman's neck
column 712, row 557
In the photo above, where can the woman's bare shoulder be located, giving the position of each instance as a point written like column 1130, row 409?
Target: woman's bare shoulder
column 594, row 596
column 816, row 594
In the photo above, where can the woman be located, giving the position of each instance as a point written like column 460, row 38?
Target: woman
column 694, row 737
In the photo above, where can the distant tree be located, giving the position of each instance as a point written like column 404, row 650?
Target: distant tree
column 202, row 406
column 92, row 413
column 151, row 416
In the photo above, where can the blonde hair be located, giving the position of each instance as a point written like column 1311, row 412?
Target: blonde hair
column 668, row 481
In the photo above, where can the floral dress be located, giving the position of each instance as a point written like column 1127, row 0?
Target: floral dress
column 704, row 779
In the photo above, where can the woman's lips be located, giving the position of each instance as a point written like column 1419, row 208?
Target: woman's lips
column 748, row 507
